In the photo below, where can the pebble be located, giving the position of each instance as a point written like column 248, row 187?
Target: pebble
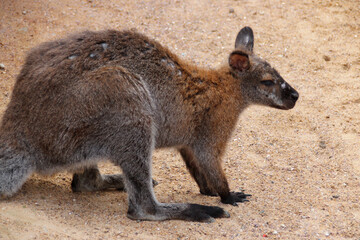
column 231, row 10
column 322, row 144
column 346, row 66
column 2, row 66
column 326, row 58
column 23, row 29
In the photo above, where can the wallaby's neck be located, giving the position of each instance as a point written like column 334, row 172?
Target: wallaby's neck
column 219, row 97
column 221, row 100
column 221, row 86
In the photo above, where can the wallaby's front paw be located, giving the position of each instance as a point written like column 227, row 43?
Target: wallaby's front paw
column 234, row 197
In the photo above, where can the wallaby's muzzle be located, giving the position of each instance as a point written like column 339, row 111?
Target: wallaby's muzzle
column 290, row 96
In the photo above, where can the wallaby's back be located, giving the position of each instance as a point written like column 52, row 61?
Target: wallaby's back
column 65, row 85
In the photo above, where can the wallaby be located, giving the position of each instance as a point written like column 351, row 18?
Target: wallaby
column 118, row 95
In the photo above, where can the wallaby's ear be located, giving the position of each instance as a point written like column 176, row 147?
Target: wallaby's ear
column 239, row 61
column 245, row 38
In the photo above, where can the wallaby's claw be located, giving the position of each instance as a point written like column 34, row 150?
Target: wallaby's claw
column 234, row 197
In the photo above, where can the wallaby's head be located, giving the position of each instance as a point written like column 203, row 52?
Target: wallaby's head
column 260, row 83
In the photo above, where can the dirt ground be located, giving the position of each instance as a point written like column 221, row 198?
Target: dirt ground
column 301, row 166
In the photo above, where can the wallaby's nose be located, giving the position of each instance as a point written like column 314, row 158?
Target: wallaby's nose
column 294, row 96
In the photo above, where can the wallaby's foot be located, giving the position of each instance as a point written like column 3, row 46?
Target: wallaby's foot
column 234, row 197
column 201, row 213
column 179, row 211
column 91, row 180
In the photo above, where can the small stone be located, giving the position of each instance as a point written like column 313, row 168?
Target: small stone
column 346, row 66
column 2, row 66
column 231, row 10
column 23, row 29
column 327, row 233
column 326, row 58
column 322, row 144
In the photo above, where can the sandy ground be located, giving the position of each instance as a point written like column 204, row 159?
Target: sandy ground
column 302, row 166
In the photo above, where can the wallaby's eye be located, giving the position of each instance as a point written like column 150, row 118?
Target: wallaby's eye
column 268, row 83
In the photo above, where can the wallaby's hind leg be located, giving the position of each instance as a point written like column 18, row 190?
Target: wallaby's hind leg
column 196, row 173
column 134, row 156
column 15, row 168
column 91, row 180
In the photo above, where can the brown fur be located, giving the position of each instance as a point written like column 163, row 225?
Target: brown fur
column 119, row 95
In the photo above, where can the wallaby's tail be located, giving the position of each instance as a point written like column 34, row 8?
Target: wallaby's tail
column 15, row 168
